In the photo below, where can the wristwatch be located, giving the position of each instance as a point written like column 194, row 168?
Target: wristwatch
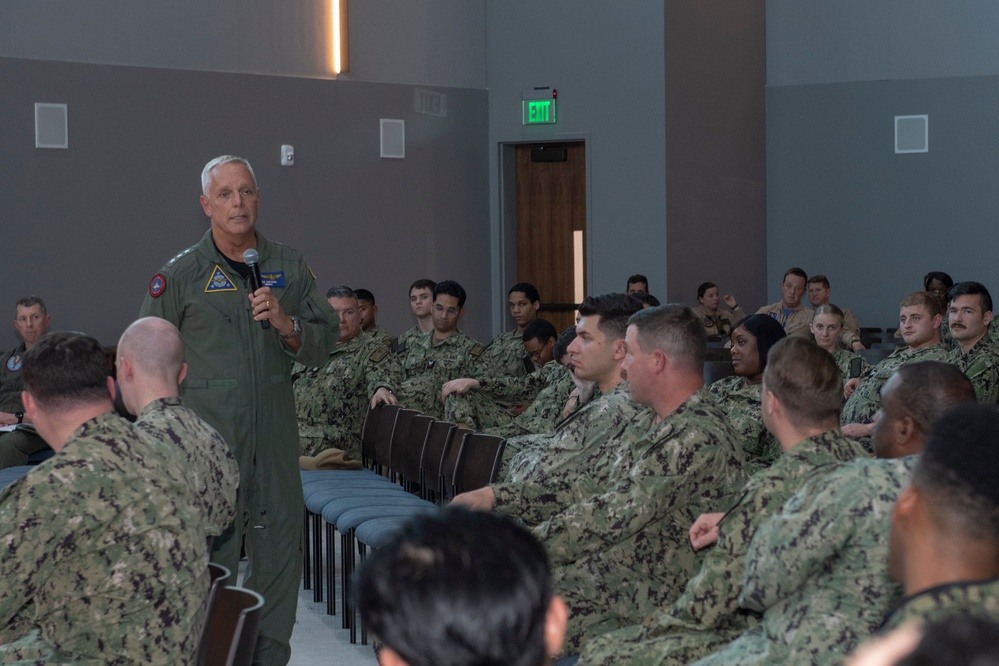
column 20, row 416
column 296, row 329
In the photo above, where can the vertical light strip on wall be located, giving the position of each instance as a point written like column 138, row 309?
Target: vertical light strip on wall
column 341, row 44
column 577, row 266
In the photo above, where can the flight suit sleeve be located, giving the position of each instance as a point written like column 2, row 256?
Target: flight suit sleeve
column 320, row 324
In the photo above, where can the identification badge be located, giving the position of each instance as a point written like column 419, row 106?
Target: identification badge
column 272, row 278
column 219, row 281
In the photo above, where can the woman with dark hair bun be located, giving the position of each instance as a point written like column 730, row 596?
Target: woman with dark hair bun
column 716, row 321
column 740, row 396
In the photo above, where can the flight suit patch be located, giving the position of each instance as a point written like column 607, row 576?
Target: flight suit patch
column 157, row 285
column 219, row 281
column 272, row 278
column 14, row 363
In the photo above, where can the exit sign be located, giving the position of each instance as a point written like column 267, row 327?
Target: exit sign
column 538, row 111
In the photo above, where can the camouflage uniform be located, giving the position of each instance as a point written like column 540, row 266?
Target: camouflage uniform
column 843, row 360
column 707, row 615
column 721, row 323
column 382, row 337
column 407, row 337
column 427, row 367
column 105, row 561
column 536, row 458
column 507, row 352
column 976, row 597
column 797, row 323
column 865, row 401
column 981, row 364
column 741, row 402
column 545, row 411
column 209, row 466
column 16, row 445
column 618, row 539
column 818, row 570
column 332, row 401
column 485, row 408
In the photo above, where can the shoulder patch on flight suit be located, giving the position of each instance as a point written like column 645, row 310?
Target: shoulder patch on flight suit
column 379, row 354
column 157, row 285
column 477, row 350
column 219, row 281
column 15, row 362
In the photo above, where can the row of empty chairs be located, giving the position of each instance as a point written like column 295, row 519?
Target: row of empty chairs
column 232, row 622
column 413, row 463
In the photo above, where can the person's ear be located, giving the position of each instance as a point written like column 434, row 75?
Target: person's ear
column 556, row 621
column 905, row 505
column 182, row 373
column 903, row 432
column 111, row 388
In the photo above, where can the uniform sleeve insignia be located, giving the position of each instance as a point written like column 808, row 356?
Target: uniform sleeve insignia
column 272, row 278
column 157, row 285
column 379, row 354
column 14, row 363
column 311, row 273
column 219, row 281
column 477, row 350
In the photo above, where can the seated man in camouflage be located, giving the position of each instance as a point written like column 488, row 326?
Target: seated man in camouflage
column 969, row 314
column 919, row 320
column 615, row 526
column 506, row 349
column 421, row 302
column 432, row 359
column 332, row 401
column 818, row 569
column 150, row 363
column 802, row 391
column 480, row 404
column 105, row 560
column 944, row 546
column 366, row 306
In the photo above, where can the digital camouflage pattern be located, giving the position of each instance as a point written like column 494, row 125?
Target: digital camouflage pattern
column 382, row 337
column 407, row 337
column 507, row 353
column 105, row 561
column 486, row 408
column 426, row 368
column 332, row 401
column 545, row 411
column 976, row 597
column 706, row 615
column 740, row 401
column 618, row 543
column 865, row 401
column 209, row 466
column 981, row 365
column 535, row 458
column 844, row 358
column 818, row 569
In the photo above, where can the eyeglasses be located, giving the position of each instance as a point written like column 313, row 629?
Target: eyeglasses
column 536, row 354
column 441, row 310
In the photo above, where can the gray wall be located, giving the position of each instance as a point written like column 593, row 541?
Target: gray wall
column 606, row 60
column 839, row 201
column 93, row 223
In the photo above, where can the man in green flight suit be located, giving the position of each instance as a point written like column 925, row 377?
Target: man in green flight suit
column 240, row 345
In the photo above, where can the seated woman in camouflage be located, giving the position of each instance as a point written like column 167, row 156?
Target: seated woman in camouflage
column 827, row 325
column 740, row 395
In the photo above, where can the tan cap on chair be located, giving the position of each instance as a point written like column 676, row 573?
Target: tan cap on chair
column 329, row 459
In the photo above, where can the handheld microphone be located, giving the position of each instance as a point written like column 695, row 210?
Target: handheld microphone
column 252, row 258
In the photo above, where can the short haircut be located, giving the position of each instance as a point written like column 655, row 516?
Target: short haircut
column 565, row 339
column 638, row 277
column 819, row 279
column 940, row 276
column 674, row 330
column 806, row 380
column 456, row 588
column 794, row 270
column 528, row 289
column 971, row 288
column 365, row 295
column 829, row 309
column 646, row 299
column 704, row 286
column 613, row 310
column 154, row 346
column 31, row 301
column 767, row 332
column 959, row 638
column 423, row 283
column 340, row 292
column 922, row 299
column 206, row 173
column 450, row 288
column 929, row 388
column 65, row 370
column 957, row 471
column 541, row 330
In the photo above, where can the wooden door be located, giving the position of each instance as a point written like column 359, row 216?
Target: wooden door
column 551, row 208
